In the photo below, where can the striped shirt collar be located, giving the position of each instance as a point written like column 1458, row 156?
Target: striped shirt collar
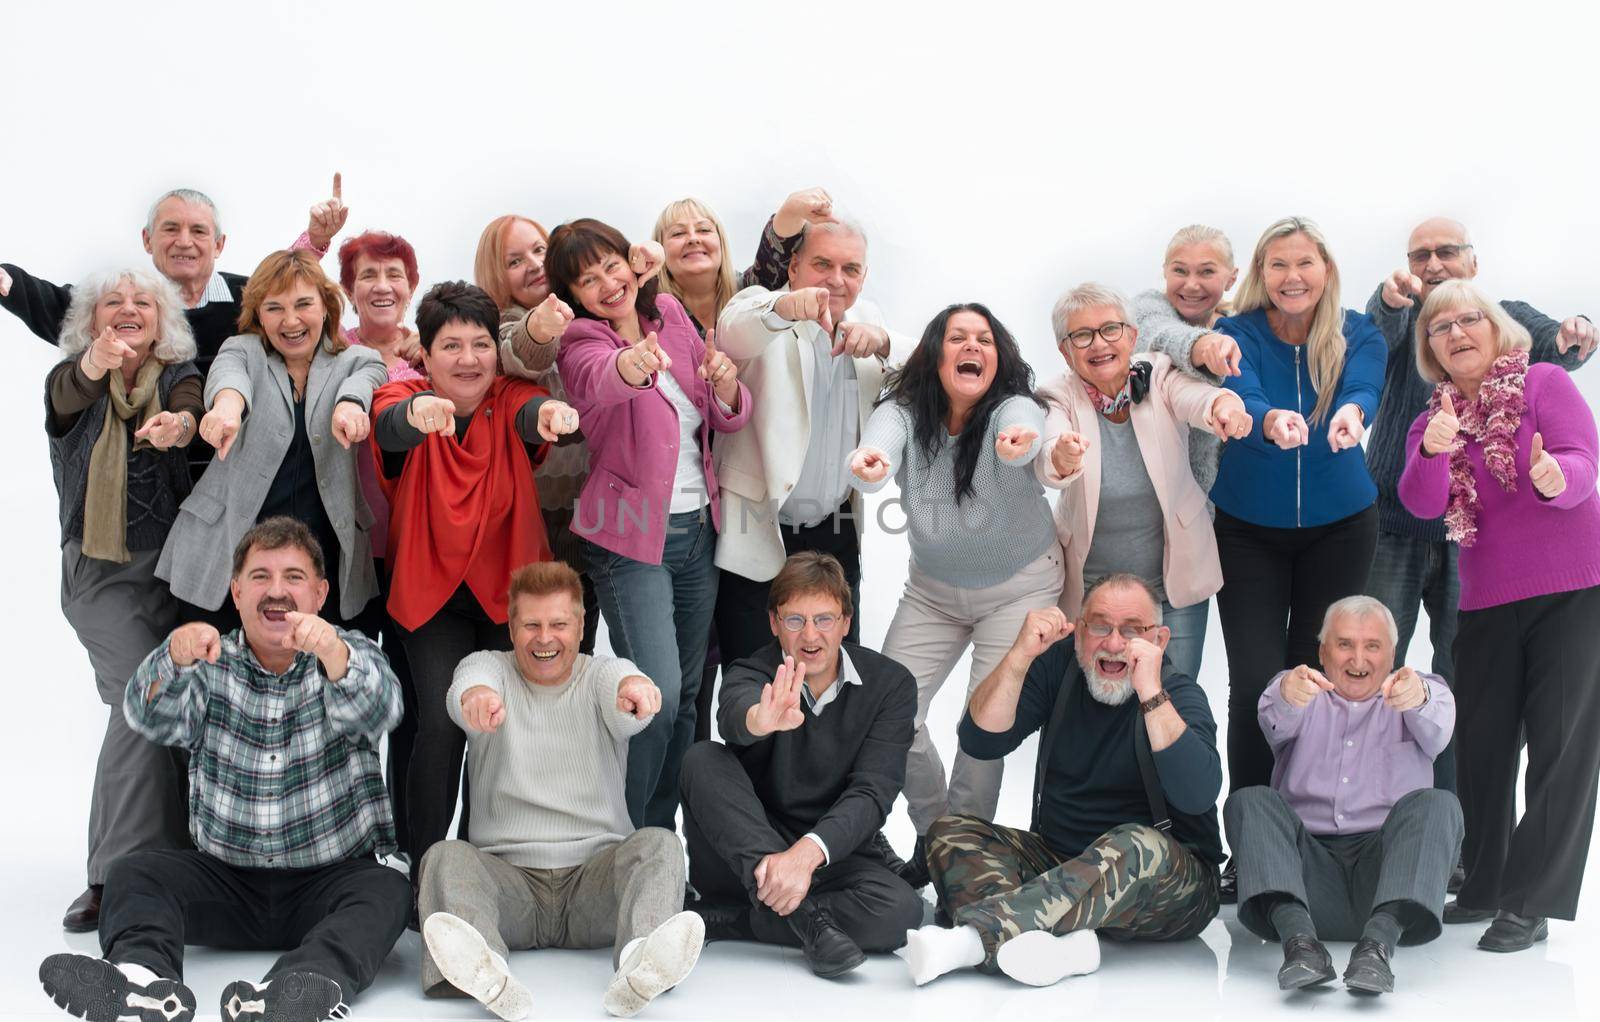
column 217, row 290
column 847, row 674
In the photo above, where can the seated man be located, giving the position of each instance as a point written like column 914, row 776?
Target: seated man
column 552, row 860
column 782, row 821
column 1122, row 734
column 1352, row 841
column 281, row 720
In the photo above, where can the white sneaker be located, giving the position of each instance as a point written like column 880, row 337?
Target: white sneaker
column 466, row 960
column 656, row 964
column 1040, row 958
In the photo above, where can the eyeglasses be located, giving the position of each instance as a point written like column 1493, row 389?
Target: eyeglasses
column 1464, row 321
column 1085, row 337
column 824, row 622
column 1103, row 629
column 1420, row 256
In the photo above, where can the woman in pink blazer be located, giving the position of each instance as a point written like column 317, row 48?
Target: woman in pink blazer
column 649, row 393
column 1117, row 446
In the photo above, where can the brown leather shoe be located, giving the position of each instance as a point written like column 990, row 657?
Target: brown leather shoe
column 83, row 915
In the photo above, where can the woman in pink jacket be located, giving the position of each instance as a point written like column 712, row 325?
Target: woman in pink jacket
column 1117, row 446
column 649, row 392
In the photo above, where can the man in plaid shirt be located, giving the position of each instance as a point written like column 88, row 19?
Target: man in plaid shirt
column 287, row 809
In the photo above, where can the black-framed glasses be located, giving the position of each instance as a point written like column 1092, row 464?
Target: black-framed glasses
column 1420, row 256
column 1465, row 320
column 824, row 622
column 1084, row 337
column 1103, row 630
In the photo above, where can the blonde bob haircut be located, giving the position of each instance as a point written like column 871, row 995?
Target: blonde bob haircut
column 277, row 273
column 1463, row 295
column 1200, row 234
column 489, row 264
column 174, row 340
column 1325, row 345
column 694, row 209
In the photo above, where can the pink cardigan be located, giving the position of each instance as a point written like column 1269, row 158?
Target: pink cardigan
column 633, row 431
column 1191, row 571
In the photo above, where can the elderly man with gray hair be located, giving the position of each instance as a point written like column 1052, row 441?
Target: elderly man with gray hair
column 1351, row 841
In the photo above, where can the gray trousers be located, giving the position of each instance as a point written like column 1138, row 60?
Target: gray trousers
column 1342, row 878
column 121, row 612
column 618, row 894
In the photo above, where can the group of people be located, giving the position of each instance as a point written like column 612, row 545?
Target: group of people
column 284, row 538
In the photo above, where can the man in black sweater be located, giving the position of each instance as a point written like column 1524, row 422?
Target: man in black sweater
column 782, row 821
column 1123, row 735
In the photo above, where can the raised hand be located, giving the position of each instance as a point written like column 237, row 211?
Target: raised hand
column 1404, row 690
column 1401, row 289
column 1345, row 428
column 194, row 641
column 1576, row 331
column 482, row 709
column 429, row 413
column 869, row 465
column 808, row 303
column 549, row 319
column 328, row 216
column 409, row 346
column 308, row 633
column 1041, row 629
column 861, row 340
column 1227, row 418
column 1302, row 685
column 163, row 430
column 1217, row 354
column 556, row 420
column 1440, row 436
column 220, row 426
column 807, row 206
column 105, row 354
column 718, row 370
column 1014, row 442
column 1067, row 455
column 646, row 258
column 1544, row 471
column 1286, row 429
column 351, row 424
column 779, row 707
column 638, row 362
column 639, row 696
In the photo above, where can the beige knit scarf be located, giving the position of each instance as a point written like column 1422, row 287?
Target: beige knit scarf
column 105, row 506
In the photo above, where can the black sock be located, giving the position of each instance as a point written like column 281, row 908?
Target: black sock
column 1291, row 919
column 1384, row 925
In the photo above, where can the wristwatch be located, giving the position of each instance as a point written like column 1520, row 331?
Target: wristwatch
column 1155, row 701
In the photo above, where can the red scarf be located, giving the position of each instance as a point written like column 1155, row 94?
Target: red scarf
column 464, row 508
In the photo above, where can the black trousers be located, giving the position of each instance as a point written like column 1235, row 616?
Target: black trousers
column 433, row 781
column 728, row 832
column 1530, row 665
column 404, row 735
column 741, row 620
column 1276, row 586
column 338, row 921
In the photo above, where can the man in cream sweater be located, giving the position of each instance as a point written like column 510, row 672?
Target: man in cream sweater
column 552, row 859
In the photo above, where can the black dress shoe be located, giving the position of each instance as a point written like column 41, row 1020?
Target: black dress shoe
column 1368, row 971
column 1228, row 892
column 915, row 871
column 1455, row 912
column 1511, row 932
column 1305, row 963
column 1458, row 876
column 83, row 915
column 725, row 920
column 829, row 950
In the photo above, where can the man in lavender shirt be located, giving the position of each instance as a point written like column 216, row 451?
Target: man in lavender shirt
column 1352, row 841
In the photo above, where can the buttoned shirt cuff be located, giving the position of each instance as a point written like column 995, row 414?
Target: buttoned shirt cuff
column 775, row 322
column 827, row 859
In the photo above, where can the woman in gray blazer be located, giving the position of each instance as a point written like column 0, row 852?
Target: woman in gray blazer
column 287, row 404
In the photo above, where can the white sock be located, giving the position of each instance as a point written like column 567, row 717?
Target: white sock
column 136, row 973
column 1040, row 958
column 627, row 949
column 932, row 951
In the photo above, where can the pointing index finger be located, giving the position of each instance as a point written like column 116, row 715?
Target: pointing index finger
column 338, row 185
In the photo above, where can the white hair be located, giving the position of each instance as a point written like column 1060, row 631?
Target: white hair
column 174, row 339
column 1088, row 295
column 843, row 225
column 193, row 198
column 1359, row 606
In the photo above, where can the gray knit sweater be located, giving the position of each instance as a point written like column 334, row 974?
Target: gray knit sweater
column 1162, row 329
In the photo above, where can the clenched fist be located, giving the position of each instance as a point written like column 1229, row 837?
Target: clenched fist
column 1041, row 629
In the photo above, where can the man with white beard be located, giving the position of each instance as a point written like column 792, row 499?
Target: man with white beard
column 1124, row 835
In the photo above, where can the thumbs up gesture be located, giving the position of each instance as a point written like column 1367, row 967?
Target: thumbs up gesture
column 328, row 216
column 1544, row 471
column 718, row 370
column 104, row 354
column 1404, row 690
column 1013, row 443
column 869, row 465
column 549, row 319
column 1440, row 436
column 430, row 413
column 638, row 362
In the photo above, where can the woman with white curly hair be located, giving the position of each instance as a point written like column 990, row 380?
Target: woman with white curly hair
column 121, row 407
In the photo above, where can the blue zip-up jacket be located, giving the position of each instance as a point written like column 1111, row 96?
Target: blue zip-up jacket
column 1311, row 485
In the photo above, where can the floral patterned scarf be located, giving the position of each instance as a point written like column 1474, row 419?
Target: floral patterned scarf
column 1492, row 420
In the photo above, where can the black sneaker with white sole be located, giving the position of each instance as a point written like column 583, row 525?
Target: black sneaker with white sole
column 291, row 997
column 95, row 990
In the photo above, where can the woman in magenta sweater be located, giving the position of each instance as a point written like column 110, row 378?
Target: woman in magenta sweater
column 1506, row 452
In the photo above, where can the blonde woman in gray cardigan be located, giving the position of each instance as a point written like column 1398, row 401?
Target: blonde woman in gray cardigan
column 287, row 408
column 958, row 427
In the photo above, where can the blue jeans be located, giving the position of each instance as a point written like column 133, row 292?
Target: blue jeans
column 1406, row 572
column 1187, row 644
column 659, row 617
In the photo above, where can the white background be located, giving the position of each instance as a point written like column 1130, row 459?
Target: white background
column 995, row 152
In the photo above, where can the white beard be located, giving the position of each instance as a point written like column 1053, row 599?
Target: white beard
column 1111, row 691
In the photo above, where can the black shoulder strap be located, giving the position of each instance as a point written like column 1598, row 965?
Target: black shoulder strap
column 1058, row 711
column 1147, row 773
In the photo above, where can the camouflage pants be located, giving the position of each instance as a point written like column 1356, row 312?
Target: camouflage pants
column 1133, row 883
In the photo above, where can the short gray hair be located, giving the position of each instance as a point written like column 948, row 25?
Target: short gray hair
column 1359, row 606
column 843, row 225
column 174, row 343
column 189, row 195
column 1123, row 580
column 1088, row 295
